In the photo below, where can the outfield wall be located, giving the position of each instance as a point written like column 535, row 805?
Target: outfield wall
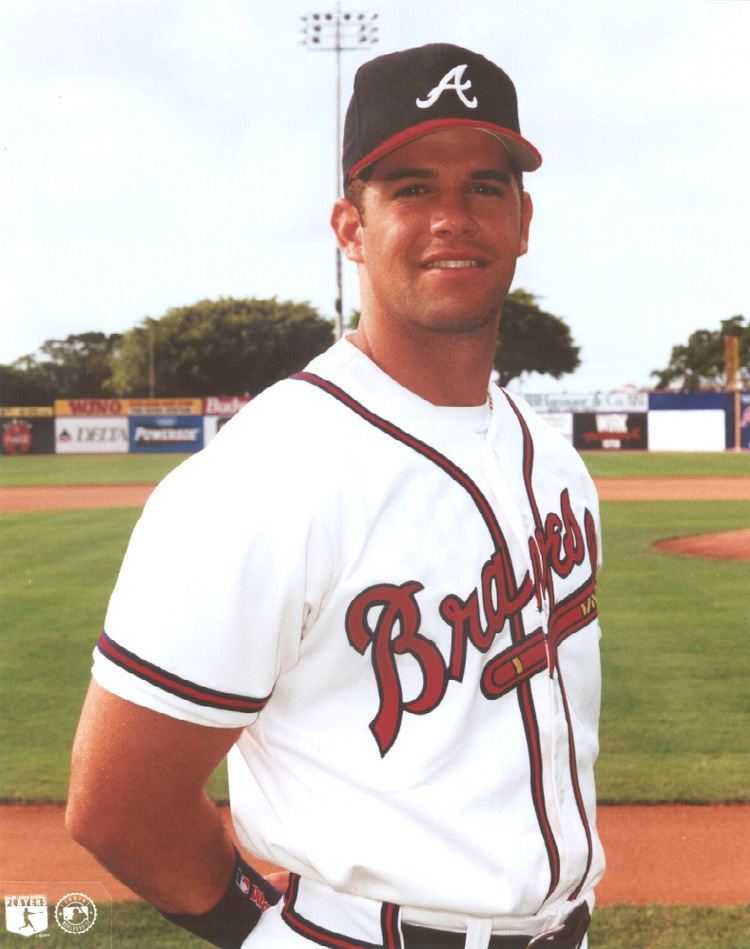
column 655, row 421
column 597, row 421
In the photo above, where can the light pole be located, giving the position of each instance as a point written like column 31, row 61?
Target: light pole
column 337, row 31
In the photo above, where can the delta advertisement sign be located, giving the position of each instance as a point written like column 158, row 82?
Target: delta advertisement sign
column 99, row 435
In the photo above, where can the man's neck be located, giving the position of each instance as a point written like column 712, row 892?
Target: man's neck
column 443, row 368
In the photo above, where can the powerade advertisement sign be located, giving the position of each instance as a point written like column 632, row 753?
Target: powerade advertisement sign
column 165, row 433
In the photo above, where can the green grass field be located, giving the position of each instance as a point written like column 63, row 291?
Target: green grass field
column 675, row 657
column 675, row 646
column 663, row 616
column 146, row 469
column 675, row 652
column 667, row 464
column 85, row 469
column 138, row 926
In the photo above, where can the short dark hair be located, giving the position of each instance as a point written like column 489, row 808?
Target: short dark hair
column 355, row 193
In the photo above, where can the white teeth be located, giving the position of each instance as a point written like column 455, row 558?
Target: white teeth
column 451, row 264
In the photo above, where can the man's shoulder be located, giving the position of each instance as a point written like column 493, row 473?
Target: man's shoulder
column 285, row 440
column 293, row 400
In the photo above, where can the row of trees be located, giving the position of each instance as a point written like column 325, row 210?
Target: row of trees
column 241, row 346
column 237, row 347
column 699, row 364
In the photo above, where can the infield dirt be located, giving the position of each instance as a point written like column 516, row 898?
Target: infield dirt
column 667, row 853
column 58, row 497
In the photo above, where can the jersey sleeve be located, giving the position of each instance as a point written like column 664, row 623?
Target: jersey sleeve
column 224, row 570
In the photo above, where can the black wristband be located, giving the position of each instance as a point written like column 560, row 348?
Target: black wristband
column 236, row 914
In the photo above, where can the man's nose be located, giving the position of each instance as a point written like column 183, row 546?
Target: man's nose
column 452, row 217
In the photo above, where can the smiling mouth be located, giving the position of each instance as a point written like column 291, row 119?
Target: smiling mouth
column 453, row 264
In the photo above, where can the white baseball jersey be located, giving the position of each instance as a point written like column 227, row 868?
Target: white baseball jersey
column 398, row 602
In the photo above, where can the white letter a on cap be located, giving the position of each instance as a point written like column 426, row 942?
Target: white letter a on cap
column 451, row 80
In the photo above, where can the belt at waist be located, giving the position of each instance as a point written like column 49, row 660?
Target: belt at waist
column 345, row 921
column 568, row 935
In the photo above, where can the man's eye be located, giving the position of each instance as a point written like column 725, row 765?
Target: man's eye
column 410, row 191
column 492, row 190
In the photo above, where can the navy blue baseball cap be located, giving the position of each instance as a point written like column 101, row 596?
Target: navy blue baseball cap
column 402, row 96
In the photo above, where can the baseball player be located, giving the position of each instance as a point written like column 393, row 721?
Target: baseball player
column 375, row 590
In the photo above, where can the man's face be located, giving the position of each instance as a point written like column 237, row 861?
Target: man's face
column 444, row 223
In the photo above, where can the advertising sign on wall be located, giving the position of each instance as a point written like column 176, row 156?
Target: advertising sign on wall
column 27, row 436
column 684, row 401
column 164, row 433
column 99, row 407
column 693, row 430
column 745, row 419
column 619, row 400
column 26, row 411
column 224, row 404
column 181, row 406
column 91, row 436
column 212, row 425
column 610, row 431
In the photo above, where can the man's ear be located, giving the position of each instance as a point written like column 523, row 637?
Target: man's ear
column 347, row 227
column 527, row 210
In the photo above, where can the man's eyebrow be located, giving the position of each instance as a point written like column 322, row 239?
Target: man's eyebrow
column 480, row 174
column 398, row 173
column 491, row 174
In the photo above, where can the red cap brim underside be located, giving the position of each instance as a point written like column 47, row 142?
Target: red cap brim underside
column 521, row 151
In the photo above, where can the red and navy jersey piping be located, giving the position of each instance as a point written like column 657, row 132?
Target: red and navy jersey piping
column 422, row 448
column 583, row 595
column 174, row 684
column 389, row 922
column 525, row 697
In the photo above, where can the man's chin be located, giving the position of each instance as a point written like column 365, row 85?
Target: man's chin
column 453, row 324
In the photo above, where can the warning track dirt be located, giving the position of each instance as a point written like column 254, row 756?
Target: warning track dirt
column 58, row 497
column 663, row 853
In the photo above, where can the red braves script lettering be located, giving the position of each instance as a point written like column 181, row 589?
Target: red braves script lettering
column 557, row 548
column 398, row 609
column 386, row 618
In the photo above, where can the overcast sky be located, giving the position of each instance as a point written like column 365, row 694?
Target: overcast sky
column 158, row 152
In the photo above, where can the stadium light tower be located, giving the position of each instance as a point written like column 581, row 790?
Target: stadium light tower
column 337, row 31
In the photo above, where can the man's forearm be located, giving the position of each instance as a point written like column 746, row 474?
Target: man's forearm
column 180, row 858
column 136, row 801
